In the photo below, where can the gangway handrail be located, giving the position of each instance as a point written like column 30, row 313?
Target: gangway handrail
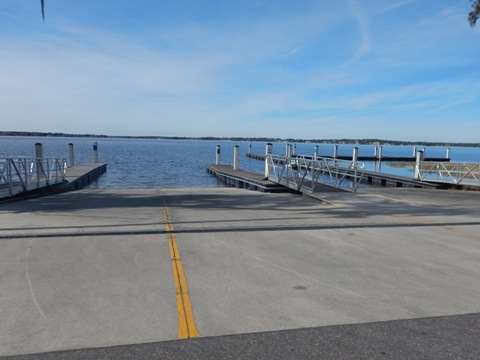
column 303, row 173
column 458, row 173
column 24, row 174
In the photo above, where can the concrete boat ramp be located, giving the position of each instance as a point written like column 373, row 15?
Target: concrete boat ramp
column 230, row 273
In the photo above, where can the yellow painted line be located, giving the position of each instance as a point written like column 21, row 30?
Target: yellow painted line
column 323, row 200
column 439, row 226
column 186, row 323
column 330, row 202
column 412, row 219
column 461, row 232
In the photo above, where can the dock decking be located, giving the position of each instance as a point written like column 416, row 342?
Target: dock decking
column 82, row 175
column 244, row 179
column 254, row 181
column 76, row 177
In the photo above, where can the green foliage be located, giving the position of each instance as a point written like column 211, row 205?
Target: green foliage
column 475, row 13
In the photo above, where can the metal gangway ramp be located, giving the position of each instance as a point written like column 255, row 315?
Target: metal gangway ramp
column 18, row 175
column 313, row 175
column 459, row 173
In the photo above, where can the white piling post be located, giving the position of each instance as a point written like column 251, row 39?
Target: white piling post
column 335, row 151
column 294, row 149
column 235, row 157
column 375, row 152
column 447, row 155
column 70, row 155
column 39, row 160
column 217, row 155
column 355, row 154
column 10, row 177
column 250, row 148
column 315, row 154
column 354, row 163
column 268, row 151
column 380, row 154
column 418, row 164
column 95, row 152
column 414, row 151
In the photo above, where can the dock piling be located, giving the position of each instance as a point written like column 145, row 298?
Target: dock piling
column 235, row 157
column 95, row 152
column 71, row 161
column 268, row 151
column 380, row 155
column 418, row 164
column 39, row 156
column 354, row 163
column 355, row 155
column 217, row 155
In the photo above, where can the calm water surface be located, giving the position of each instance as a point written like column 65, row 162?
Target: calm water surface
column 137, row 163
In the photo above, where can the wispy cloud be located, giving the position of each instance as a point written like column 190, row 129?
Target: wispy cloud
column 364, row 44
column 396, row 5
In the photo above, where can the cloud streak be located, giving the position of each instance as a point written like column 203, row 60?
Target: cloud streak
column 363, row 26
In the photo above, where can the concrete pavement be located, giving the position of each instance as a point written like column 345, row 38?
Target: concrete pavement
column 93, row 268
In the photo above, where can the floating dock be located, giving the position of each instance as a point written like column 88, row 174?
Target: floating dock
column 377, row 178
column 254, row 181
column 76, row 177
column 79, row 176
column 389, row 180
column 244, row 179
column 362, row 158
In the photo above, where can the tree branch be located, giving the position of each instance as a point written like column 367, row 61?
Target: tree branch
column 475, row 13
column 43, row 9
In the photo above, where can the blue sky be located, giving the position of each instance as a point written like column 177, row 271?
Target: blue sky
column 400, row 70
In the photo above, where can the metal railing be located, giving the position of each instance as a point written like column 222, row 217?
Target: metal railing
column 448, row 172
column 303, row 174
column 24, row 174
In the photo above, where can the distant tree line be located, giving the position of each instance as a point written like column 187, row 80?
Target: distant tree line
column 47, row 134
column 252, row 139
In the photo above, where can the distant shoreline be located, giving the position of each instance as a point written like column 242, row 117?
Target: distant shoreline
column 258, row 139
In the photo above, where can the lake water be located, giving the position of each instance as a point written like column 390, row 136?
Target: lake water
column 139, row 163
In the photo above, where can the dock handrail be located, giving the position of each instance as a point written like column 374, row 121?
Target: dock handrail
column 23, row 174
column 460, row 173
column 304, row 174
